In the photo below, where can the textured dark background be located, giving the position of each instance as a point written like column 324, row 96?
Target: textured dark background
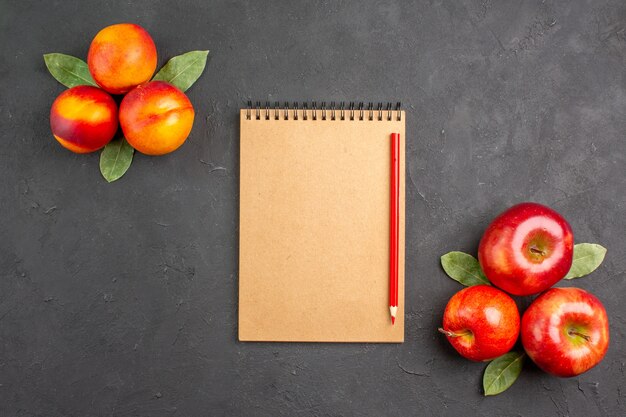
column 121, row 299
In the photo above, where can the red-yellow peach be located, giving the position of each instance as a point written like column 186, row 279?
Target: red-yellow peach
column 122, row 57
column 156, row 118
column 83, row 119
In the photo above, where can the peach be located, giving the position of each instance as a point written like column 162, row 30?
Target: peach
column 156, row 118
column 122, row 57
column 83, row 119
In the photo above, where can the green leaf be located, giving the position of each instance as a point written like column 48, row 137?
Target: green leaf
column 68, row 70
column 502, row 372
column 183, row 70
column 587, row 257
column 115, row 159
column 463, row 268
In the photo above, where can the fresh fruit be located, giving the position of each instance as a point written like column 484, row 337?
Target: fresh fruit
column 122, row 57
column 156, row 118
column 565, row 331
column 83, row 119
column 526, row 249
column 481, row 322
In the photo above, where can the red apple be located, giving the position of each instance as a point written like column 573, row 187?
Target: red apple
column 481, row 322
column 527, row 249
column 565, row 331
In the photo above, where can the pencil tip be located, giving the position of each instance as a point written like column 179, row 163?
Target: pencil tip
column 393, row 311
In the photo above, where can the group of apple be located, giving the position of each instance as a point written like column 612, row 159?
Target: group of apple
column 155, row 116
column 525, row 251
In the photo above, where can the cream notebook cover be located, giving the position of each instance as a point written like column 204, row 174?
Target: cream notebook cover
column 314, row 225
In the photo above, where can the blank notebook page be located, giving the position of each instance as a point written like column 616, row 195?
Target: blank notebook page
column 314, row 229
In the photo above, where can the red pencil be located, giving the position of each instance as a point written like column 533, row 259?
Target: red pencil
column 394, row 226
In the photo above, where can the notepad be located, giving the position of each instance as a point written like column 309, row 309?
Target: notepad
column 314, row 224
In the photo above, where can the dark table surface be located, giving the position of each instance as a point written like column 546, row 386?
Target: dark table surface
column 121, row 299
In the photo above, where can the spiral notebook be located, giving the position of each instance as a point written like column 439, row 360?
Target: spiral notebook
column 314, row 223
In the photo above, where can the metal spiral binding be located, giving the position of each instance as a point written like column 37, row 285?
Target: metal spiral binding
column 337, row 112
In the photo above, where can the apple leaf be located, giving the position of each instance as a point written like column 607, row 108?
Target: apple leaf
column 464, row 268
column 587, row 257
column 68, row 70
column 502, row 372
column 115, row 159
column 183, row 70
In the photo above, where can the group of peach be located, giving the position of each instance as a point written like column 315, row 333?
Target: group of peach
column 155, row 116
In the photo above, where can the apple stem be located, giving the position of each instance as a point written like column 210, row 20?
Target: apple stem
column 575, row 333
column 450, row 333
column 536, row 250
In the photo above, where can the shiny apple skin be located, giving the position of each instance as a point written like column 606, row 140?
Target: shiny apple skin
column 526, row 249
column 485, row 320
column 547, row 327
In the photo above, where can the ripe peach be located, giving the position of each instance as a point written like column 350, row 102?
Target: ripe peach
column 156, row 118
column 83, row 119
column 122, row 57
